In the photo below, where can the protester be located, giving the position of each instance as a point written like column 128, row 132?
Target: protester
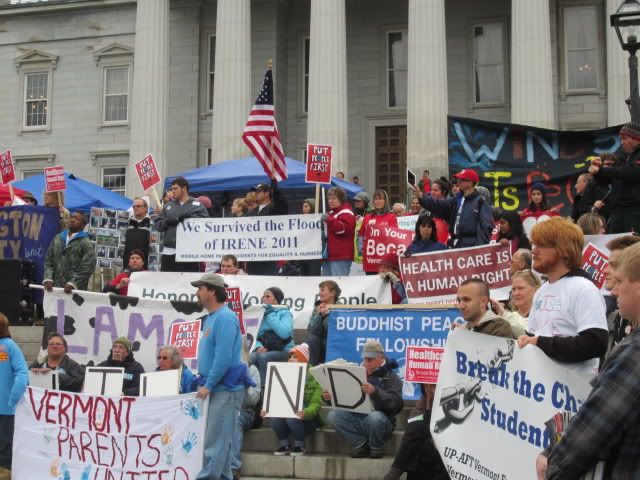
column 239, row 207
column 414, row 207
column 624, row 178
column 473, row 299
column 318, row 326
column 206, row 202
column 598, row 196
column 592, row 224
column 308, row 268
column 71, row 257
column 607, row 426
column 380, row 217
column 512, row 232
column 229, row 265
column 275, row 336
column 361, row 204
column 440, row 189
column 424, row 184
column 308, row 206
column 120, row 284
column 469, row 216
column 222, row 374
column 355, row 180
column 426, row 238
column 340, row 175
column 29, row 199
column 56, row 200
column 138, row 234
column 181, row 207
column 167, row 197
column 251, row 200
column 390, row 272
column 14, row 378
column 340, row 227
column 399, row 209
column 567, row 320
column 70, row 373
column 122, row 356
column 367, row 432
column 170, row 358
column 521, row 260
column 580, row 207
column 455, row 187
column 308, row 418
column 524, row 285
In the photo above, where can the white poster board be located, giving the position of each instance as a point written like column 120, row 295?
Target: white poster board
column 161, row 383
column 47, row 380
column 284, row 389
column 344, row 381
column 105, row 381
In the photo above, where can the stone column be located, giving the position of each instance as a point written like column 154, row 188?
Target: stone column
column 150, row 96
column 232, row 96
column 327, row 120
column 427, row 101
column 617, row 73
column 531, row 74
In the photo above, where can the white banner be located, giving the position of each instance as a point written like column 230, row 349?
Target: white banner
column 282, row 237
column 66, row 436
column 408, row 222
column 496, row 407
column 300, row 293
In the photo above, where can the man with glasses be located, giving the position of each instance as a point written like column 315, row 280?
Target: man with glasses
column 70, row 372
column 138, row 231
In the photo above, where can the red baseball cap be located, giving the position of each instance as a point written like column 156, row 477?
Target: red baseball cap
column 468, row 174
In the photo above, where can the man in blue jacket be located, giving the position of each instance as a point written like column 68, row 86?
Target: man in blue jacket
column 468, row 214
column 222, row 375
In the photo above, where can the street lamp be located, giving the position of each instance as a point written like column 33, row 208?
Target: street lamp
column 626, row 21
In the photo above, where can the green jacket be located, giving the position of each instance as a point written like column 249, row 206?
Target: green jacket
column 70, row 263
column 312, row 397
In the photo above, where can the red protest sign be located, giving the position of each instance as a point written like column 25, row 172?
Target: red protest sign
column 382, row 239
column 318, row 163
column 186, row 337
column 594, row 262
column 54, row 179
column 422, row 364
column 7, row 170
column 147, row 172
column 234, row 302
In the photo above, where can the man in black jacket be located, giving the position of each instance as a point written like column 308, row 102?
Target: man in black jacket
column 70, row 372
column 138, row 232
column 121, row 356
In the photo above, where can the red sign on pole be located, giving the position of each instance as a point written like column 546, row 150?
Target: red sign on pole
column 147, row 172
column 318, row 163
column 7, row 170
column 594, row 262
column 54, row 179
column 234, row 302
column 423, row 364
column 186, row 337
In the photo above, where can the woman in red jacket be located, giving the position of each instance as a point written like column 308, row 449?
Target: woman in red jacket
column 381, row 216
column 120, row 284
column 341, row 226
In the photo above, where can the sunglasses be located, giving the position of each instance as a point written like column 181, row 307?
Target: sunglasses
column 162, row 358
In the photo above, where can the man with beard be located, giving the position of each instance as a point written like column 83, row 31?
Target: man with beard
column 568, row 317
column 122, row 356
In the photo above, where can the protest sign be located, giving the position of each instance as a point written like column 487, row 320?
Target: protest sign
column 160, row 383
column 344, row 382
column 435, row 277
column 234, row 302
column 422, row 364
column 7, row 170
column 300, row 292
column 594, row 262
column 186, row 337
column 382, row 239
column 492, row 402
column 74, row 436
column 318, row 163
column 408, row 222
column 282, row 237
column 147, row 173
column 44, row 380
column 54, row 179
column 284, row 389
column 103, row 381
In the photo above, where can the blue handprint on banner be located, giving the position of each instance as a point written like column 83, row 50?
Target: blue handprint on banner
column 189, row 442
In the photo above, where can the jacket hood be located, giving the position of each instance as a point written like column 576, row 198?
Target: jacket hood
column 80, row 234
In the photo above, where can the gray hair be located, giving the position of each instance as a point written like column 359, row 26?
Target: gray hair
column 174, row 352
column 526, row 257
column 400, row 205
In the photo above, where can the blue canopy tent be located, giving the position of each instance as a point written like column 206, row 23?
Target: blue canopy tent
column 79, row 195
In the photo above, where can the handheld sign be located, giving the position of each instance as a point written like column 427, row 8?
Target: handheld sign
column 234, row 302
column 147, row 172
column 318, row 163
column 54, row 179
column 7, row 170
column 47, row 380
column 284, row 390
column 423, row 364
column 594, row 262
column 411, row 178
column 107, row 381
column 186, row 336
column 160, row 384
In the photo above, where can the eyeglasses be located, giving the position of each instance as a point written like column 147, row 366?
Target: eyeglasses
column 56, row 344
column 162, row 358
column 138, row 206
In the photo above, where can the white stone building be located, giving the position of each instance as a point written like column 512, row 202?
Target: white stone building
column 95, row 85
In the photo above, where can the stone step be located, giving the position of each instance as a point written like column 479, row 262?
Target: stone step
column 401, row 418
column 313, row 466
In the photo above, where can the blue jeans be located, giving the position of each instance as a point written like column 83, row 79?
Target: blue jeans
column 336, row 268
column 260, row 360
column 361, row 429
column 294, row 426
column 243, row 424
column 223, row 411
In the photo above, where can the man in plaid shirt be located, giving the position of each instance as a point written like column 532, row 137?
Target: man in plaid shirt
column 607, row 427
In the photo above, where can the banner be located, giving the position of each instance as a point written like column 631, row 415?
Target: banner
column 74, row 436
column 318, row 163
column 281, row 237
column 300, row 293
column 435, row 277
column 54, row 179
column 494, row 403
column 510, row 158
column 408, row 222
column 383, row 239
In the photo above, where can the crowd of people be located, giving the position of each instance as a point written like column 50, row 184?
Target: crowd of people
column 553, row 306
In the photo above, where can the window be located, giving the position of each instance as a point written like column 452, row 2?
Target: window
column 113, row 178
column 397, row 60
column 36, row 99
column 305, row 73
column 30, row 173
column 209, row 151
column 488, row 64
column 116, row 94
column 35, row 73
column 211, row 69
column 581, row 55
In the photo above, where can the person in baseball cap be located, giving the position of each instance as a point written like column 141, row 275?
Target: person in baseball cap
column 210, row 279
column 467, row 174
column 121, row 355
column 361, row 203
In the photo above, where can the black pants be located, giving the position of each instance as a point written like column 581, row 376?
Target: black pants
column 317, row 349
column 6, row 440
column 169, row 264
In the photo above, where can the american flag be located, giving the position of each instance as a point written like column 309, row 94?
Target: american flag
column 261, row 133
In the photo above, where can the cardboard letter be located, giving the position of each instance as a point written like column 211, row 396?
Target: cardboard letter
column 278, row 399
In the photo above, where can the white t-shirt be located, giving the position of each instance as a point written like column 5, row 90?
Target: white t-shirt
column 565, row 308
